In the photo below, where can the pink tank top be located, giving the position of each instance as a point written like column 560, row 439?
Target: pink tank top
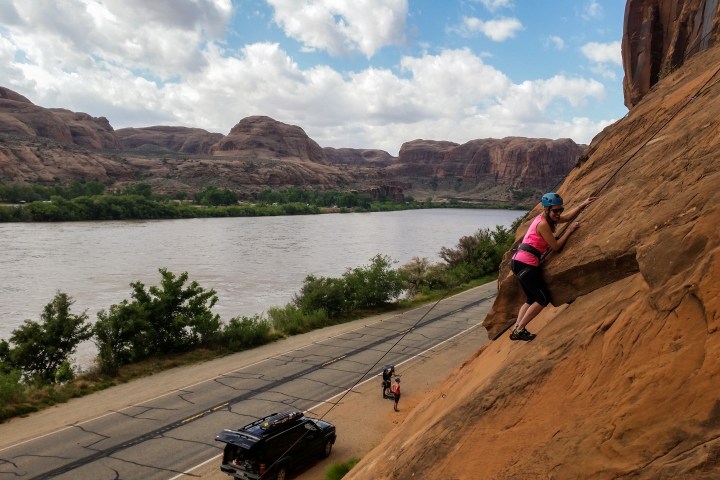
column 536, row 240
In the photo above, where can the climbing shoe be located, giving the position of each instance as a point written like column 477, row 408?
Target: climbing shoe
column 522, row 335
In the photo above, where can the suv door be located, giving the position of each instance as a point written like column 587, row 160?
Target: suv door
column 313, row 441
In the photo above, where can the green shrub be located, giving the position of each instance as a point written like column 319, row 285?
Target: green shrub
column 40, row 348
column 419, row 275
column 339, row 470
column 323, row 293
column 64, row 373
column 373, row 285
column 292, row 320
column 122, row 336
column 246, row 332
column 11, row 390
column 478, row 255
column 169, row 318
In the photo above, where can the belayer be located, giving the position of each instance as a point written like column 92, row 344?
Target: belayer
column 387, row 375
column 525, row 263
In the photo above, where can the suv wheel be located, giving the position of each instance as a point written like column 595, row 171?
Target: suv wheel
column 281, row 473
column 328, row 448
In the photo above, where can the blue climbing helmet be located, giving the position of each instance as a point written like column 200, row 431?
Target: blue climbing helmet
column 551, row 199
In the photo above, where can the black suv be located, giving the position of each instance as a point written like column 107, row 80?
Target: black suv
column 271, row 446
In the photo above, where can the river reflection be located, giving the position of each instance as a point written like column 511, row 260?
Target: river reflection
column 252, row 263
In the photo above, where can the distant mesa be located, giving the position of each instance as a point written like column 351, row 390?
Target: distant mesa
column 55, row 144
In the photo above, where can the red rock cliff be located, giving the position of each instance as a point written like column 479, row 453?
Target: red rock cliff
column 518, row 162
column 622, row 380
column 660, row 35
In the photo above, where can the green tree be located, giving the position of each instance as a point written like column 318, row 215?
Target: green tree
column 479, row 254
column 373, row 285
column 122, row 335
column 216, row 196
column 322, row 293
column 171, row 317
column 41, row 348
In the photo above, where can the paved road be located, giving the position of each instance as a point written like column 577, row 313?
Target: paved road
column 163, row 436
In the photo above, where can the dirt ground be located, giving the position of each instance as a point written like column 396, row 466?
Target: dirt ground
column 362, row 416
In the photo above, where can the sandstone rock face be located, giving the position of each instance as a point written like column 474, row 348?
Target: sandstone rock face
column 358, row 156
column 175, row 139
column 660, row 35
column 45, row 161
column 622, row 380
column 520, row 162
column 421, row 157
column 87, row 131
column 487, row 169
column 393, row 190
column 262, row 137
column 19, row 116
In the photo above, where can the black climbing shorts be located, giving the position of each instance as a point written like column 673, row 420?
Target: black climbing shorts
column 531, row 282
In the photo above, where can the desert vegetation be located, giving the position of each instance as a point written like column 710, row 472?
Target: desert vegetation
column 84, row 201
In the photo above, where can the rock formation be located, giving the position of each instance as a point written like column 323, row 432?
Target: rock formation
column 358, row 156
column 173, row 139
column 660, row 35
column 19, row 116
column 488, row 169
column 260, row 152
column 41, row 160
column 263, row 138
column 520, row 162
column 622, row 380
column 420, row 158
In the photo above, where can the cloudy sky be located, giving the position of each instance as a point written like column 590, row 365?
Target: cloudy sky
column 351, row 73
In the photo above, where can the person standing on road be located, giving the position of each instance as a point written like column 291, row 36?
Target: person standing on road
column 525, row 263
column 396, row 392
column 387, row 375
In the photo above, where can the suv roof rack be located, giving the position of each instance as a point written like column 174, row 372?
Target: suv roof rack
column 275, row 420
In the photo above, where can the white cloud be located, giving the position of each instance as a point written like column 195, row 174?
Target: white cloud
column 498, row 30
column 592, row 10
column 342, row 28
column 175, row 69
column 161, row 36
column 555, row 42
column 603, row 52
column 494, row 5
column 606, row 58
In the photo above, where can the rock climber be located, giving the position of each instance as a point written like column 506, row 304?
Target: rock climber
column 525, row 263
